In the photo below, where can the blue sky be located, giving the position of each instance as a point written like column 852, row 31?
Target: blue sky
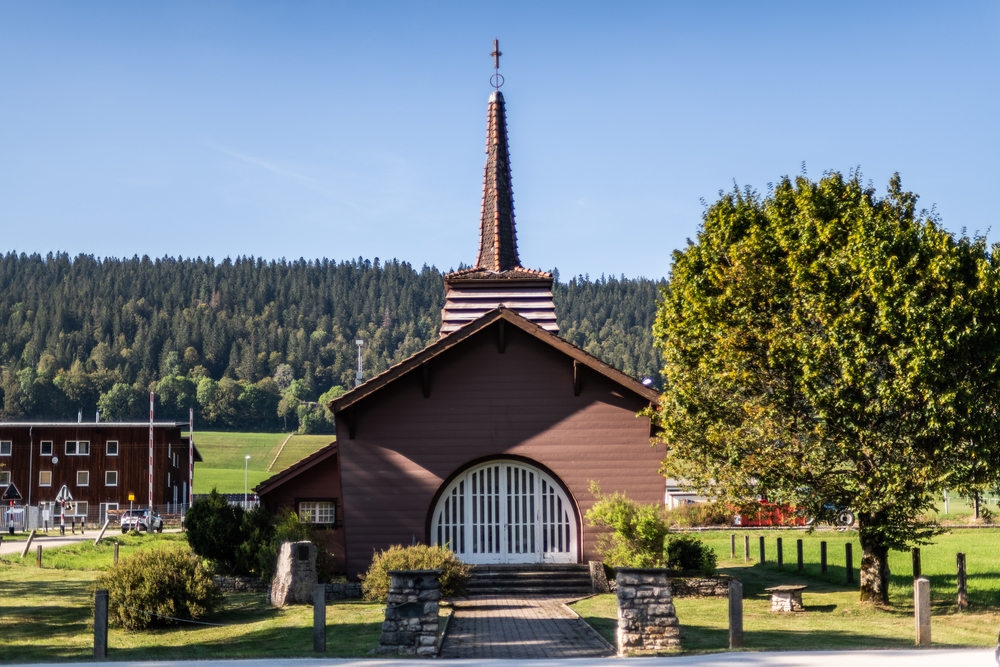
column 314, row 129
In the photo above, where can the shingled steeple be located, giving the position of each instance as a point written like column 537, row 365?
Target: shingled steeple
column 497, row 279
column 497, row 237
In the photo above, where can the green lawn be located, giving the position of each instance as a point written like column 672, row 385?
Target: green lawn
column 224, row 457
column 45, row 616
column 834, row 618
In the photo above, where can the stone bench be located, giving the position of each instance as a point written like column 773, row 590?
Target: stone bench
column 786, row 598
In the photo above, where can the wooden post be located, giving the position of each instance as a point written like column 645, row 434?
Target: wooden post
column 761, row 549
column 101, row 625
column 38, row 556
column 849, row 557
column 319, row 618
column 732, row 546
column 922, row 610
column 963, row 596
column 822, row 556
column 116, row 553
column 746, row 548
column 798, row 553
column 100, row 536
column 73, row 523
column 735, row 613
column 781, row 555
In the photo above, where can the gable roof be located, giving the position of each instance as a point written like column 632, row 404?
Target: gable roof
column 445, row 343
column 297, row 468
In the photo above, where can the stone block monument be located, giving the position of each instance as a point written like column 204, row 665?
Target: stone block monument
column 294, row 575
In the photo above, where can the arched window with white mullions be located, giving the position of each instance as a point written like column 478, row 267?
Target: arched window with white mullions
column 506, row 511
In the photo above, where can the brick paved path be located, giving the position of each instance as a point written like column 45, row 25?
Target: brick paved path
column 519, row 627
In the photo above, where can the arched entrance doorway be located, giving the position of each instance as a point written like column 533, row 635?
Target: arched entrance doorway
column 506, row 511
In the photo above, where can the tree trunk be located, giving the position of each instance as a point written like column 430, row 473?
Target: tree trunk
column 975, row 504
column 874, row 570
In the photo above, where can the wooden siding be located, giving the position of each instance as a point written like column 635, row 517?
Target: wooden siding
column 486, row 404
column 319, row 482
column 132, row 462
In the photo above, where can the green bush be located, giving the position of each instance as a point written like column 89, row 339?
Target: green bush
column 215, row 532
column 689, row 553
column 637, row 530
column 168, row 582
column 454, row 573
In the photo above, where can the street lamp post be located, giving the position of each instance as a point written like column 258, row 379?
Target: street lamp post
column 246, row 481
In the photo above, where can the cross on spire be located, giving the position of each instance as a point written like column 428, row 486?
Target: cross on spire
column 497, row 79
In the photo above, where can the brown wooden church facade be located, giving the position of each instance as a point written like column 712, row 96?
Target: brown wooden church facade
column 489, row 439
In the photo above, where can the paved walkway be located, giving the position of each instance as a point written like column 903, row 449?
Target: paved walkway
column 519, row 627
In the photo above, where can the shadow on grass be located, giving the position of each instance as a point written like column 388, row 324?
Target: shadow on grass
column 702, row 638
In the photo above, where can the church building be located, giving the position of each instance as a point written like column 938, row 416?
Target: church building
column 488, row 439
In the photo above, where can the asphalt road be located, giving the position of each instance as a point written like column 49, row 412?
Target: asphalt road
column 910, row 658
column 48, row 541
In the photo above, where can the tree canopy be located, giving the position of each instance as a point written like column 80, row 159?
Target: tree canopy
column 827, row 348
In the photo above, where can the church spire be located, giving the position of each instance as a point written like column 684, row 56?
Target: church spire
column 497, row 238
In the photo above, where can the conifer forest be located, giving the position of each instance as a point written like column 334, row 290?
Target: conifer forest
column 249, row 344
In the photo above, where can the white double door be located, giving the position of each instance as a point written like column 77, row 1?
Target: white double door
column 506, row 512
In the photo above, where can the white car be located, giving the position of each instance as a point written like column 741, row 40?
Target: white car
column 139, row 520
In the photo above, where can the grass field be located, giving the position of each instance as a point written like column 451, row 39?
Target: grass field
column 834, row 618
column 45, row 616
column 224, row 457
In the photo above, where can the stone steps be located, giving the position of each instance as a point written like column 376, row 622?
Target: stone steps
column 568, row 580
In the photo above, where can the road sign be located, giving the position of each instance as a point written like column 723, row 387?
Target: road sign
column 11, row 493
column 131, row 497
column 64, row 495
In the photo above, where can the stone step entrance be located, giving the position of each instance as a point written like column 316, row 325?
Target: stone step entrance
column 562, row 580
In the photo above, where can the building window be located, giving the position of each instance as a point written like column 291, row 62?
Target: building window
column 112, row 448
column 79, row 508
column 45, row 478
column 77, row 448
column 83, row 478
column 318, row 511
column 4, row 478
column 5, row 447
column 46, row 448
column 110, row 478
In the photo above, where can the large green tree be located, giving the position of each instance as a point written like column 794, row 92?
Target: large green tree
column 825, row 346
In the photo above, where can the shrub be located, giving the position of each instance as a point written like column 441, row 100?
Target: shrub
column 454, row 573
column 690, row 553
column 637, row 530
column 690, row 515
column 168, row 582
column 215, row 531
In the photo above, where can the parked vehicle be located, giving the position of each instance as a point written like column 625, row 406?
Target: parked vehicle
column 139, row 520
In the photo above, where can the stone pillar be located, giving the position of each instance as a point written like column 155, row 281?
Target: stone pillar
column 294, row 575
column 411, row 613
column 647, row 621
column 598, row 580
column 922, row 610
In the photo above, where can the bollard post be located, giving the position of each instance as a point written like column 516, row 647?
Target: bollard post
column 963, row 595
column 822, row 556
column 781, row 555
column 798, row 553
column 319, row 618
column 116, row 553
column 915, row 556
column 38, row 556
column 849, row 558
column 746, row 548
column 761, row 549
column 101, row 625
column 732, row 546
column 922, row 610
column 73, row 526
column 735, row 613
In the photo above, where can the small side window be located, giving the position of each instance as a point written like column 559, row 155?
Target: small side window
column 83, row 478
column 110, row 478
column 46, row 448
column 45, row 478
column 5, row 447
column 4, row 478
column 112, row 449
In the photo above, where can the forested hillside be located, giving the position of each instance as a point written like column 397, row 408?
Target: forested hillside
column 248, row 344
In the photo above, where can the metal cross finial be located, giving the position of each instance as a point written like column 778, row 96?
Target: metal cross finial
column 497, row 79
